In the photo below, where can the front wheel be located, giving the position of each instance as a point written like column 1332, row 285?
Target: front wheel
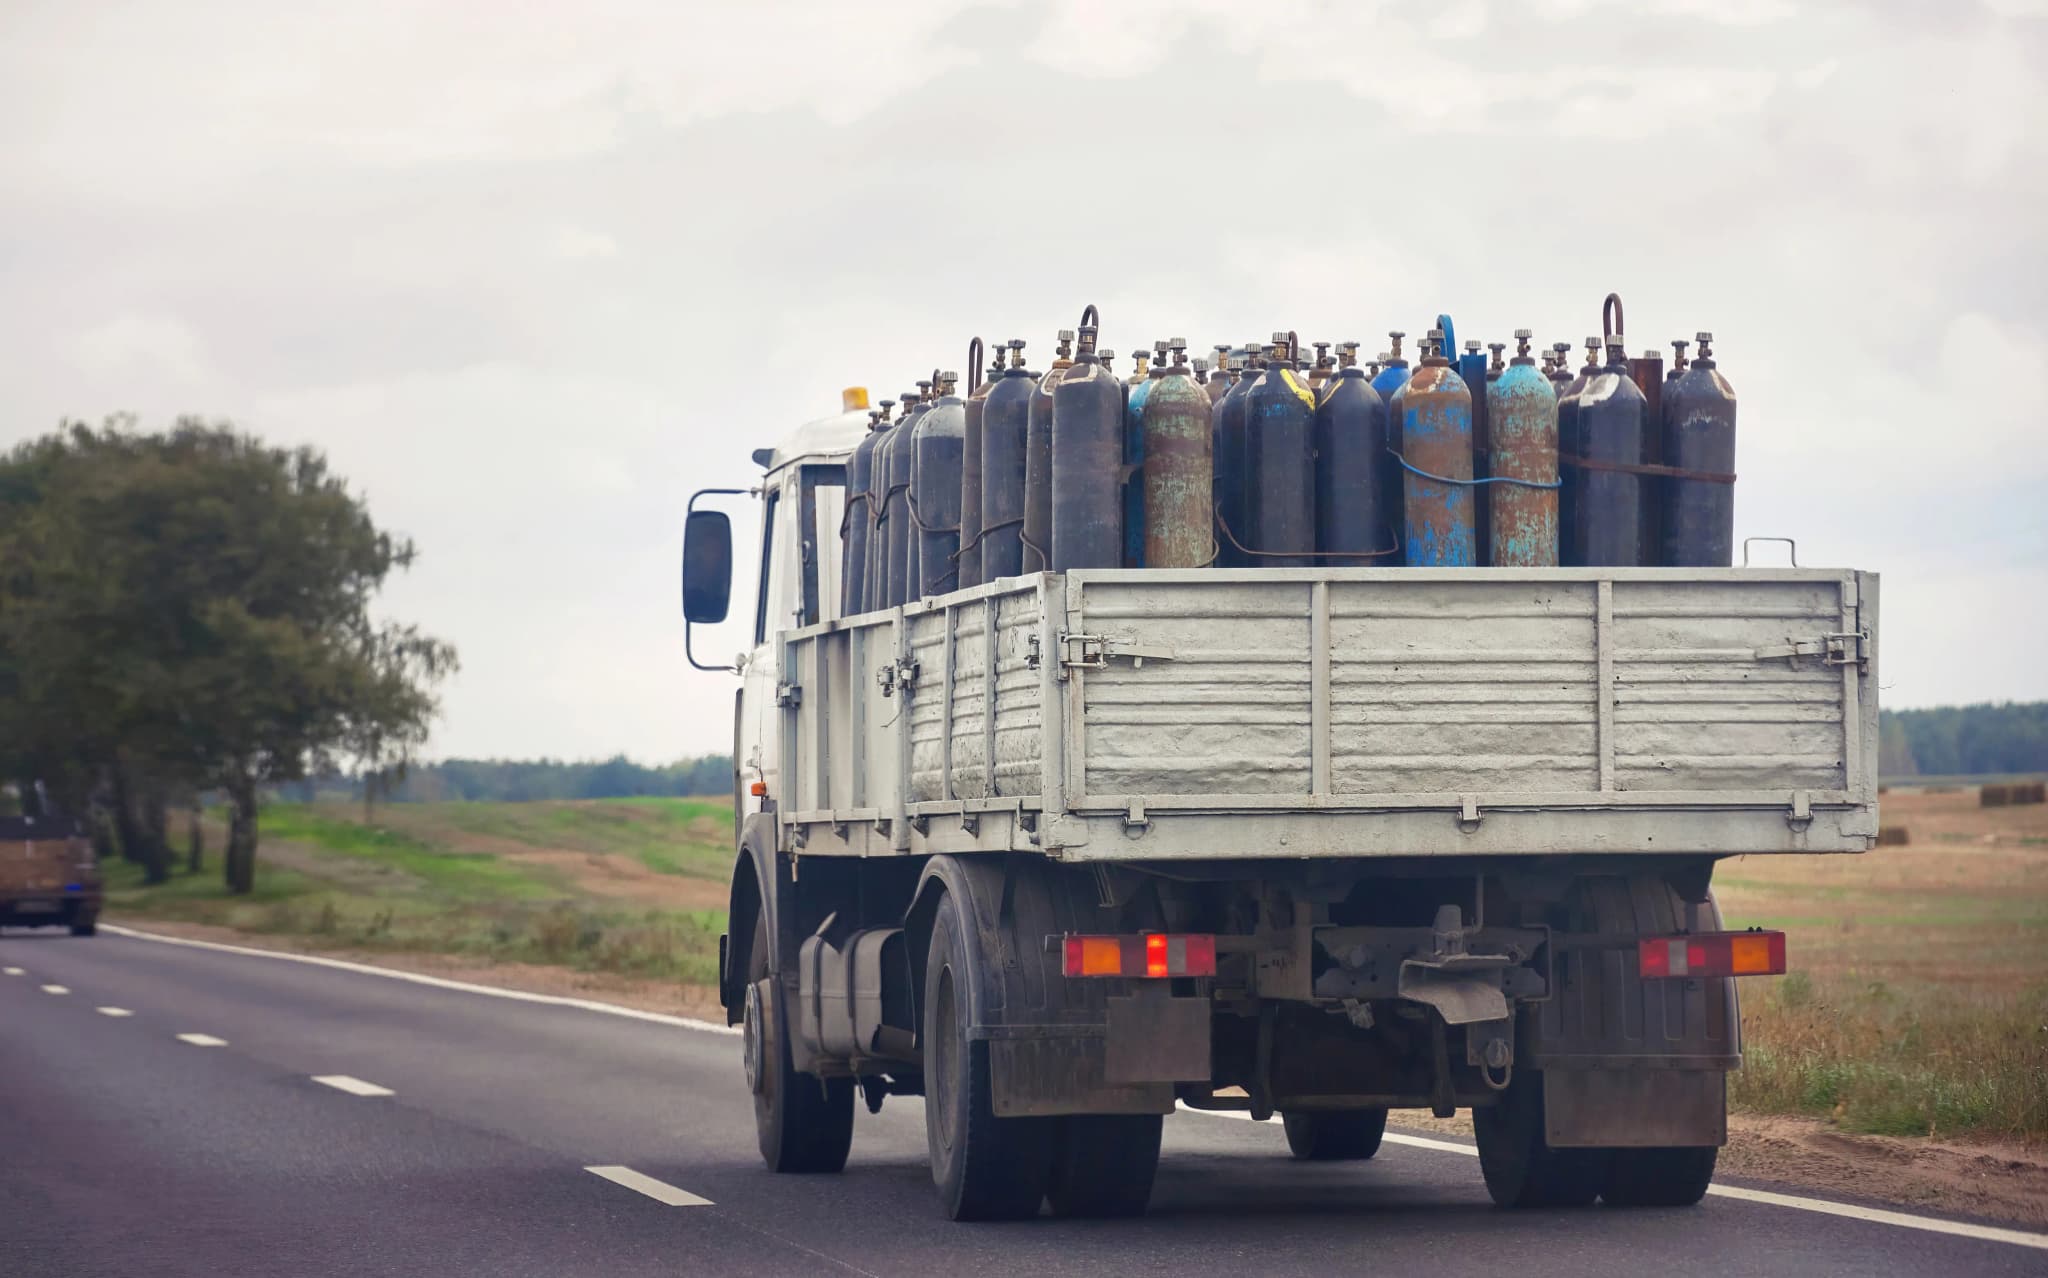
column 1334, row 1135
column 803, row 1123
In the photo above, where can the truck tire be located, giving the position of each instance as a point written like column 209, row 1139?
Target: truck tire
column 1334, row 1135
column 1103, row 1164
column 1671, row 1177
column 803, row 1123
column 1520, row 1167
column 986, row 1168
column 85, row 925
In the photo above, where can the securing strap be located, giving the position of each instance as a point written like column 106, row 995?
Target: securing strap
column 1631, row 468
column 1468, row 483
column 1231, row 537
column 986, row 529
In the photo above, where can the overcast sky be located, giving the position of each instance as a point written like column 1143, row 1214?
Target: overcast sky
column 531, row 273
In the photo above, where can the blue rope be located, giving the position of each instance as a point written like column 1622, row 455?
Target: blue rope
column 1470, row 483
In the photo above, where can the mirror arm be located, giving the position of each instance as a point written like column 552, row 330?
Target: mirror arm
column 689, row 626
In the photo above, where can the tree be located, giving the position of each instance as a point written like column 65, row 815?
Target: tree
column 191, row 610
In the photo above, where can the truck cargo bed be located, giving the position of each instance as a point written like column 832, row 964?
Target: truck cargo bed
column 1188, row 714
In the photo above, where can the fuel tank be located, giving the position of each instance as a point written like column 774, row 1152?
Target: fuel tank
column 1087, row 460
column 1280, row 481
column 1608, row 515
column 1436, row 464
column 1699, row 437
column 937, row 448
column 1354, row 527
column 1522, row 409
column 1178, row 475
column 1005, row 424
column 1037, row 527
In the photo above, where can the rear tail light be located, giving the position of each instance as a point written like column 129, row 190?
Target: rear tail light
column 1149, row 954
column 1752, row 953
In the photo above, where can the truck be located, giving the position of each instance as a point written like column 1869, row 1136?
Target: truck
column 1062, row 853
column 48, row 874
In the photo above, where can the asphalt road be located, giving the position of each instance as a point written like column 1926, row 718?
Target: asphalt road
column 126, row 1149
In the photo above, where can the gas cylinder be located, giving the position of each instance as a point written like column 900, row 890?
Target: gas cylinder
column 1678, row 345
column 1005, row 423
column 1522, row 408
column 888, row 553
column 859, row 519
column 1226, row 449
column 1280, row 464
column 1223, row 378
column 1607, row 516
column 1321, row 371
column 1037, row 528
column 1436, row 455
column 1497, row 367
column 1354, row 527
column 1178, row 474
column 1201, row 367
column 935, row 488
column 1568, row 446
column 1699, row 437
column 1471, row 366
column 1135, row 389
column 1087, row 460
column 1647, row 371
column 1388, row 381
column 969, row 554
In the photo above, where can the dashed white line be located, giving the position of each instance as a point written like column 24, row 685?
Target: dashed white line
column 56, row 989
column 353, row 1086
column 659, row 1190
column 202, row 1040
column 113, row 1011
column 1849, row 1211
column 11, row 971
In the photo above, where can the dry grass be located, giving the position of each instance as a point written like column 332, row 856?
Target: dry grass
column 1918, row 998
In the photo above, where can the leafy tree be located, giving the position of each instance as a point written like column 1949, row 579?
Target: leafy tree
column 191, row 609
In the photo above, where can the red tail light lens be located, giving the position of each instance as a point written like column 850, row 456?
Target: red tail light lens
column 1704, row 954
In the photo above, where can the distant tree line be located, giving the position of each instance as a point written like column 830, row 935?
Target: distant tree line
column 187, row 612
column 522, row 780
column 1990, row 738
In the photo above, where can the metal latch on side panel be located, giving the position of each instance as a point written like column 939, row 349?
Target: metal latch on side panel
column 789, row 694
column 1843, row 648
column 1095, row 652
column 1800, row 814
column 894, row 676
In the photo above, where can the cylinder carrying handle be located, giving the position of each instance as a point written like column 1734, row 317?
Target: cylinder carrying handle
column 974, row 348
column 1610, row 317
column 1443, row 323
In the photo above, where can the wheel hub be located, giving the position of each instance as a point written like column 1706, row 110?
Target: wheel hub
column 753, row 1041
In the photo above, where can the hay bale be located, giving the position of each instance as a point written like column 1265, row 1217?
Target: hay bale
column 1993, row 796
column 2037, row 792
column 1891, row 836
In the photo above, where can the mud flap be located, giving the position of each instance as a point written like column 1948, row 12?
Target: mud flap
column 1636, row 1109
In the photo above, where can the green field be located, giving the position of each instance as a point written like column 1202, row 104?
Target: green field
column 633, row 886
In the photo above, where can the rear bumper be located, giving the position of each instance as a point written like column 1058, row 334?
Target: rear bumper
column 48, row 909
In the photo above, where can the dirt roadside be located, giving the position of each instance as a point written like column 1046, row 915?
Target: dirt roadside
column 1994, row 1181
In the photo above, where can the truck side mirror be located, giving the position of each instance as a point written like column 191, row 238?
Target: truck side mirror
column 707, row 567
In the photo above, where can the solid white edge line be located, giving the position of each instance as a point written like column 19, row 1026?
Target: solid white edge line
column 11, row 971
column 659, row 1190
column 1850, row 1211
column 438, row 982
column 352, row 1085
column 56, row 989
column 1931, row 1224
column 202, row 1040
column 113, row 1011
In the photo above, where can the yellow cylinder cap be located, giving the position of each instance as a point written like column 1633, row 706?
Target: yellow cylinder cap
column 854, row 399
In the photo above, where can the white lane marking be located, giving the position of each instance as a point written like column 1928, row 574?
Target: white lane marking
column 113, row 1011
column 56, row 989
column 1850, row 1211
column 202, row 1040
column 11, row 971
column 353, row 1086
column 659, row 1190
column 438, row 982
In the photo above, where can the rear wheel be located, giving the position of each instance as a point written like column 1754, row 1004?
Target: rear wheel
column 85, row 925
column 1521, row 1168
column 803, row 1123
column 1673, row 1177
column 1103, row 1164
column 1335, row 1135
column 986, row 1168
